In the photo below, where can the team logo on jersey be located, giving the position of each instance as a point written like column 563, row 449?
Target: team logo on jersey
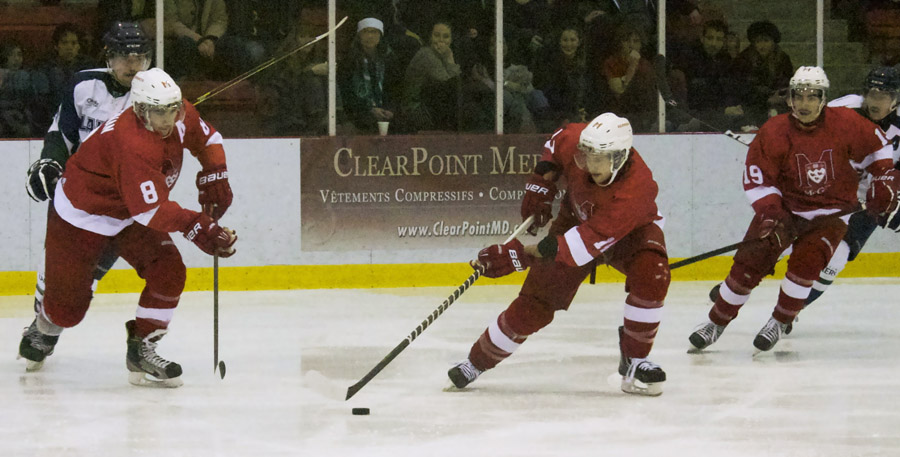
column 815, row 174
column 171, row 173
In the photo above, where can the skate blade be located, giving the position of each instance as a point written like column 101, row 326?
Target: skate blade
column 143, row 380
column 635, row 387
column 30, row 365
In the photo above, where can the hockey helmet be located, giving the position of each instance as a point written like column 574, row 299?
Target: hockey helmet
column 125, row 38
column 606, row 139
column 809, row 78
column 886, row 79
column 154, row 91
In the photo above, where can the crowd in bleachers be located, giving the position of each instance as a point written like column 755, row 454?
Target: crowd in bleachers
column 428, row 65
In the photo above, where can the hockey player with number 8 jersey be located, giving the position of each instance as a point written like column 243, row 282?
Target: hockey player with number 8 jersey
column 116, row 191
column 801, row 170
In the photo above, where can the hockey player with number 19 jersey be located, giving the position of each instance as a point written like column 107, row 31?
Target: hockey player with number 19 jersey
column 802, row 167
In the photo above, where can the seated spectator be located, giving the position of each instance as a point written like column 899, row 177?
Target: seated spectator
column 562, row 76
column 431, row 85
column 368, row 77
column 631, row 80
column 732, row 44
column 763, row 70
column 59, row 68
column 294, row 95
column 706, row 72
column 19, row 94
column 198, row 45
column 521, row 102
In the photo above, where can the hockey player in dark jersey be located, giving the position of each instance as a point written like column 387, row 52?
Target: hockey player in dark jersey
column 878, row 103
column 802, row 169
column 95, row 96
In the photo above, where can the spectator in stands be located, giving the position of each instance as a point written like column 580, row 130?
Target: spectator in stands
column 198, row 44
column 562, row 76
column 293, row 96
column 262, row 25
column 368, row 77
column 763, row 71
column 705, row 72
column 732, row 44
column 631, row 80
column 19, row 94
column 60, row 66
column 431, row 85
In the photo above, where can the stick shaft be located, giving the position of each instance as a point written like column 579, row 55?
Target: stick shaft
column 352, row 390
column 215, row 312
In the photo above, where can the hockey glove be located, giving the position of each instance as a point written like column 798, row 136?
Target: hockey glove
column 538, row 200
column 215, row 192
column 881, row 200
column 42, row 178
column 502, row 259
column 210, row 238
column 777, row 228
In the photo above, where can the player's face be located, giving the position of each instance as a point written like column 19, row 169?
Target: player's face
column 124, row 67
column 806, row 104
column 879, row 104
column 713, row 41
column 162, row 118
column 568, row 42
column 599, row 165
column 67, row 47
column 369, row 38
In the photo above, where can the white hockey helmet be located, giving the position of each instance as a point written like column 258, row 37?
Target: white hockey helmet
column 809, row 78
column 154, row 90
column 606, row 138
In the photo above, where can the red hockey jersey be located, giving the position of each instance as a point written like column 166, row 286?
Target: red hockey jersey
column 813, row 173
column 124, row 172
column 607, row 214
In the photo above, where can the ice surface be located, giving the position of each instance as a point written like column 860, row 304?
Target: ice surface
column 828, row 389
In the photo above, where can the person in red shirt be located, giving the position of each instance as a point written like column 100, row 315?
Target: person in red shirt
column 802, row 170
column 608, row 215
column 116, row 191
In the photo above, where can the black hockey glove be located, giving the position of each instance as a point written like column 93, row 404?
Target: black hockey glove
column 42, row 178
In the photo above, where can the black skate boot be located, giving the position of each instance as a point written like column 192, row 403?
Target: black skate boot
column 145, row 367
column 769, row 335
column 639, row 376
column 463, row 374
column 36, row 346
column 705, row 335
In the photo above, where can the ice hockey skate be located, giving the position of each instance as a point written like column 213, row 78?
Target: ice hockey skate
column 463, row 374
column 35, row 347
column 704, row 335
column 769, row 335
column 639, row 376
column 145, row 367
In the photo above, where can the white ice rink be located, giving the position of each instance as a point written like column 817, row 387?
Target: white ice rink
column 832, row 388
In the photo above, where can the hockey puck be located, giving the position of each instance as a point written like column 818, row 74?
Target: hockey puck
column 360, row 411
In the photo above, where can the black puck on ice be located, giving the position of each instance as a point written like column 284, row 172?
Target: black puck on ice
column 360, row 411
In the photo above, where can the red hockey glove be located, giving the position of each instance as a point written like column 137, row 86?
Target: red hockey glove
column 538, row 200
column 777, row 228
column 502, row 259
column 881, row 200
column 209, row 237
column 215, row 193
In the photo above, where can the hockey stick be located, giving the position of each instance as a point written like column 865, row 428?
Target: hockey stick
column 217, row 364
column 352, row 390
column 228, row 84
column 738, row 245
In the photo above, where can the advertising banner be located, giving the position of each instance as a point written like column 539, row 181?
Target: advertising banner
column 413, row 192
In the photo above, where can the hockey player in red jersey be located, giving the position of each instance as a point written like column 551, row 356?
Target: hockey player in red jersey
column 801, row 170
column 608, row 215
column 116, row 191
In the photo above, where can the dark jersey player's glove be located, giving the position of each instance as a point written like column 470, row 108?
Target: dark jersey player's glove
column 215, row 192
column 502, row 259
column 209, row 237
column 538, row 201
column 42, row 178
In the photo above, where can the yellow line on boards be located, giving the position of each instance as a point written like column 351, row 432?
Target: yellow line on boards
column 280, row 277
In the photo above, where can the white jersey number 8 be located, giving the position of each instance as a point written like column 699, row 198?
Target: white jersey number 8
column 149, row 191
column 753, row 174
